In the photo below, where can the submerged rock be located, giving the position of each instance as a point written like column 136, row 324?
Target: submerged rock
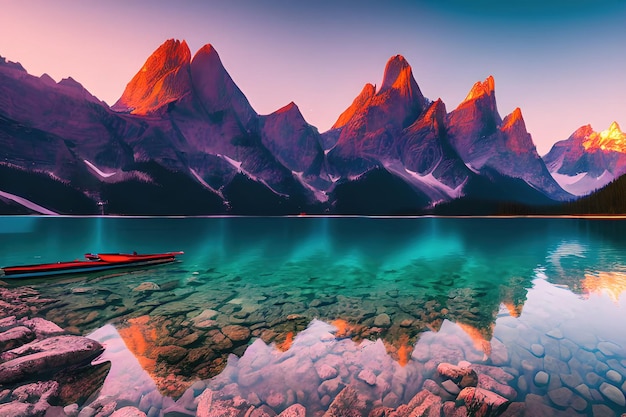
column 346, row 404
column 483, row 403
column 17, row 336
column 47, row 355
column 463, row 376
column 612, row 393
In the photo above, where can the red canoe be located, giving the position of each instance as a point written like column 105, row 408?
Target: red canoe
column 94, row 262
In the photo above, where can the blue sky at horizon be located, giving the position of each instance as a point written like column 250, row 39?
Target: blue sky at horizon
column 562, row 62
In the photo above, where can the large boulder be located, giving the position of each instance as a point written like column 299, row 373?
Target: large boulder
column 45, row 356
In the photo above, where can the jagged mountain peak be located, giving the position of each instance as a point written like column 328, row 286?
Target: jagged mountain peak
column 208, row 51
column 398, row 77
column 515, row 120
column 612, row 139
column 215, row 89
column 289, row 108
column 162, row 79
column 397, row 72
column 480, row 89
column 10, row 64
column 368, row 92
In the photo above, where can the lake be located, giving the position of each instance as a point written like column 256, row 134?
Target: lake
column 278, row 311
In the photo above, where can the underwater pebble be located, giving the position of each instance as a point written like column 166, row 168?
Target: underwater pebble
column 613, row 393
column 542, row 378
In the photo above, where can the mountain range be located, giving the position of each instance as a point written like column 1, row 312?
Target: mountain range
column 183, row 139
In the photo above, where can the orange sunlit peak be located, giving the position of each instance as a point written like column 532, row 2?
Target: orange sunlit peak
column 480, row 89
column 513, row 118
column 612, row 139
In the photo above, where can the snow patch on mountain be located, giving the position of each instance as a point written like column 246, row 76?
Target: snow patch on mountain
column 237, row 165
column 28, row 204
column 98, row 170
column 204, row 183
column 320, row 195
column 430, row 180
column 583, row 183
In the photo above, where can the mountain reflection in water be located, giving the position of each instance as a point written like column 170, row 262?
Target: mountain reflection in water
column 280, row 311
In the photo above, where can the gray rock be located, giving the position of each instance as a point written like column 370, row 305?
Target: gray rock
column 601, row 410
column 542, row 378
column 584, row 391
column 47, row 355
column 612, row 393
column 451, row 387
column 537, row 350
column 128, row 412
column 561, row 396
column 613, row 376
column 382, row 320
column 610, row 349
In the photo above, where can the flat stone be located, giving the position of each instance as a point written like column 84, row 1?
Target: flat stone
column 561, row 396
column 451, row 387
column 610, row 349
column 614, row 376
column 555, row 334
column 537, row 350
column 612, row 393
column 542, row 378
column 584, row 390
column 147, row 286
column 17, row 336
column 236, row 333
column 593, row 379
column 43, row 328
column 128, row 412
column 601, row 410
column 382, row 320
column 7, row 323
column 463, row 376
column 46, row 355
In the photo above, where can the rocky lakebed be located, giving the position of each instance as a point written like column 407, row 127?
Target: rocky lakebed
column 318, row 356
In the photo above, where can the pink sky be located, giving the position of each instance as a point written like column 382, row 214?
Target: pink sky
column 563, row 71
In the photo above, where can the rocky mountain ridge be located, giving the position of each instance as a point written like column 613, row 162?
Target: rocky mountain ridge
column 183, row 139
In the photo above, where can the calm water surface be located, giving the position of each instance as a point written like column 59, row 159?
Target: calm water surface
column 286, row 310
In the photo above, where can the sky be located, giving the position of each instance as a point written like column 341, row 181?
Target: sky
column 563, row 62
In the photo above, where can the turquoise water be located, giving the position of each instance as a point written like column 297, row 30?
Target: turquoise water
column 390, row 298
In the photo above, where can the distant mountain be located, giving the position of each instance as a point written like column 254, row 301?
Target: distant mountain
column 184, row 139
column 588, row 160
column 484, row 140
